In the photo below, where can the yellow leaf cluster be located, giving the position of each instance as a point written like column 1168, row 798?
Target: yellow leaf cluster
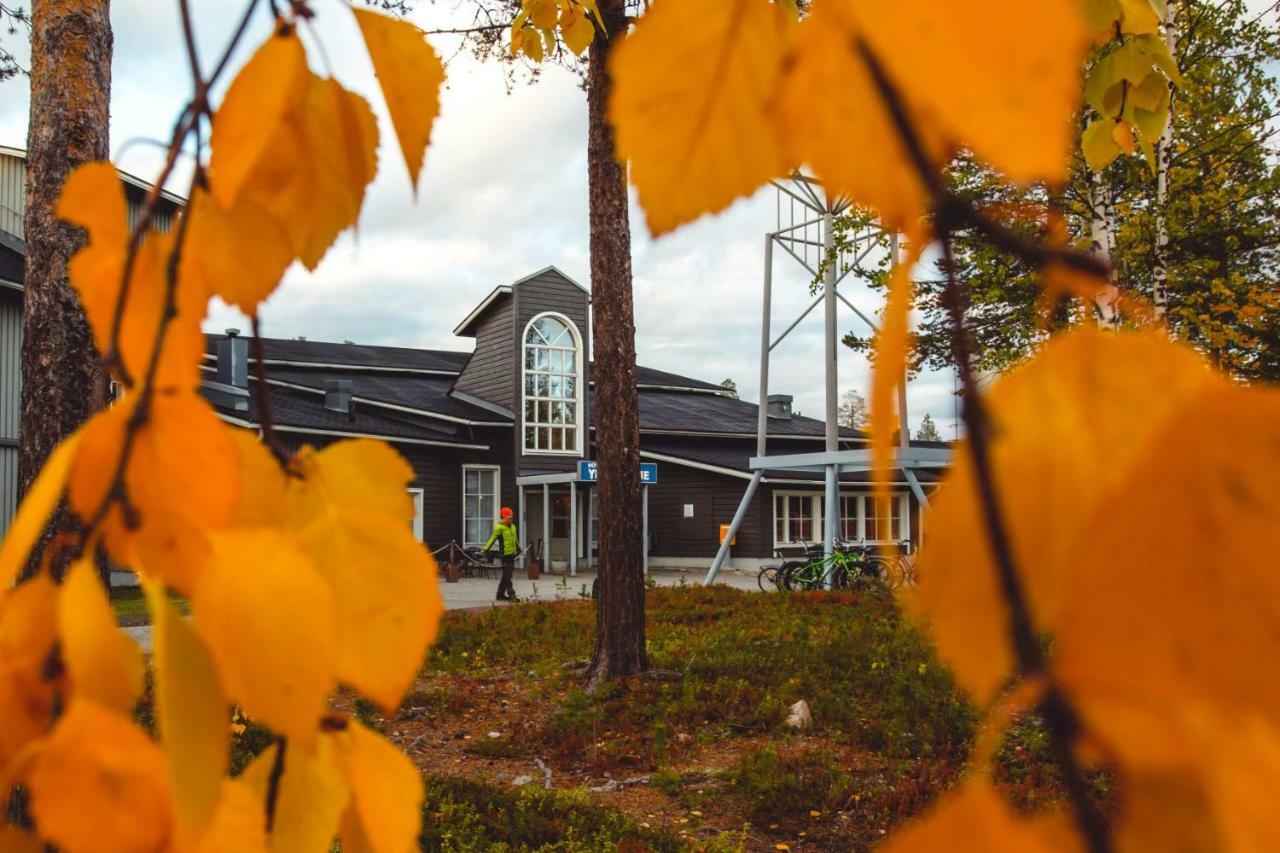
column 534, row 30
column 831, row 93
column 302, row 574
column 1134, row 485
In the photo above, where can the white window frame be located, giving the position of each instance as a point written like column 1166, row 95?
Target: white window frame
column 419, row 511
column 818, row 499
column 497, row 499
column 578, row 390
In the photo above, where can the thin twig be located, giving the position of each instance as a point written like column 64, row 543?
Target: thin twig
column 273, row 781
column 951, row 212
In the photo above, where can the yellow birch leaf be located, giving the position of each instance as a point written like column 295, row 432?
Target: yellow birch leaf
column 1067, row 427
column 973, row 818
column 313, row 175
column 312, row 796
column 238, row 825
column 1099, row 144
column 1194, row 555
column 410, row 74
column 262, row 483
column 851, row 142
column 238, row 253
column 1139, row 17
column 891, row 366
column 191, row 712
column 28, row 632
column 1123, row 136
column 14, row 840
column 181, row 479
column 1243, row 773
column 386, row 789
column 1001, row 77
column 576, row 29
column 269, row 620
column 34, row 511
column 93, row 197
column 349, row 511
column 104, row 663
column 541, row 12
column 690, row 105
column 532, row 43
column 269, row 86
column 99, row 785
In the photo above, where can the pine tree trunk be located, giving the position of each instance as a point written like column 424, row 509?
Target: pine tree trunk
column 1164, row 154
column 62, row 382
column 1106, row 302
column 620, row 647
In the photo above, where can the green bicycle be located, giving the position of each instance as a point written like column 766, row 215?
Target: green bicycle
column 849, row 565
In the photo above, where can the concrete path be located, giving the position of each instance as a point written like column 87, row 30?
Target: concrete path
column 478, row 593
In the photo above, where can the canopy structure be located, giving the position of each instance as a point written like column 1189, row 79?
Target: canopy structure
column 805, row 229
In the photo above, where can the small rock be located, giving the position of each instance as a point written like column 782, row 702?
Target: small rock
column 799, row 717
column 522, row 779
column 495, row 735
column 684, row 737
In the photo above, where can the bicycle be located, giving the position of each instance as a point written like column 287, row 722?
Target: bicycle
column 848, row 565
column 901, row 570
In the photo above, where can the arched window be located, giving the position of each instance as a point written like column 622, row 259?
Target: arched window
column 552, row 386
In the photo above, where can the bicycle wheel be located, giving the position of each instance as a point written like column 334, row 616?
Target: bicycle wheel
column 795, row 576
column 768, row 575
column 880, row 570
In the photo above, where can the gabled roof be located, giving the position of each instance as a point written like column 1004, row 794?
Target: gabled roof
column 355, row 357
column 131, row 180
column 467, row 327
column 713, row 414
column 416, row 392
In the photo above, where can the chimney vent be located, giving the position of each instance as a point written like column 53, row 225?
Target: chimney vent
column 337, row 396
column 780, row 406
column 233, row 360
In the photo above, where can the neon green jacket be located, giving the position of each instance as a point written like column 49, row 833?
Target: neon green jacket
column 510, row 541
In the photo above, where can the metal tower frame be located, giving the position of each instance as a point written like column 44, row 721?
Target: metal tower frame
column 809, row 214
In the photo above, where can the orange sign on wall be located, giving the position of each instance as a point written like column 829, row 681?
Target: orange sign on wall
column 724, row 531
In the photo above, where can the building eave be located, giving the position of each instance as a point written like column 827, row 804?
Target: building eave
column 501, row 290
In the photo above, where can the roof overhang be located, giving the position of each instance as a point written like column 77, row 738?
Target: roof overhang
column 394, row 439
column 463, row 328
column 854, row 460
column 131, row 180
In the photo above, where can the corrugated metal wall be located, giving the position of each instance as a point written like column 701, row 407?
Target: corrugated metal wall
column 10, row 398
column 13, row 171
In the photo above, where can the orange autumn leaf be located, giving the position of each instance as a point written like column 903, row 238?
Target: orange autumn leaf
column 277, row 662
column 103, row 663
column 266, row 90
column 410, row 75
column 238, row 253
column 1050, row 479
column 239, row 824
column 349, row 510
column 386, row 790
column 36, row 507
column 683, row 133
column 28, row 632
column 311, row 798
column 93, row 778
column 191, row 714
column 972, row 817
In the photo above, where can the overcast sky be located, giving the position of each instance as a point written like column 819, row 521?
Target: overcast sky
column 504, row 193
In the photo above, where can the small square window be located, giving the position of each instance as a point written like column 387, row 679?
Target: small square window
column 557, row 439
column 530, row 410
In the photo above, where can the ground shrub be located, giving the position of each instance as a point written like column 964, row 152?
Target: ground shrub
column 784, row 786
column 462, row 815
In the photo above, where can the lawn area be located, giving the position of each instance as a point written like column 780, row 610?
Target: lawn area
column 129, row 603
column 699, row 758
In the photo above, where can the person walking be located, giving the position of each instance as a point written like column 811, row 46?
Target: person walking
column 506, row 531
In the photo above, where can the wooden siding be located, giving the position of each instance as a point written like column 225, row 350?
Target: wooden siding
column 13, row 176
column 549, row 291
column 10, row 401
column 715, row 499
column 488, row 371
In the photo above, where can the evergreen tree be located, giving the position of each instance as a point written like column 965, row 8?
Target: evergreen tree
column 928, row 430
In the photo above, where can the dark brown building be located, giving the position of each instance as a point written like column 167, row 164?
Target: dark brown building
column 510, row 423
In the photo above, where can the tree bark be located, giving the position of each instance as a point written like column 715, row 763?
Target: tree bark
column 62, row 382
column 620, row 646
column 1164, row 154
column 1101, row 243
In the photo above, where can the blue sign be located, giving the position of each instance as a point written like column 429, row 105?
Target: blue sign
column 648, row 472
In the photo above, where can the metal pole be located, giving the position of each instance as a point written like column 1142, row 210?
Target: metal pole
column 573, row 529
column 645, row 530
column 546, row 527
column 832, row 424
column 904, row 428
column 591, row 558
column 733, row 529
column 524, row 539
column 762, row 416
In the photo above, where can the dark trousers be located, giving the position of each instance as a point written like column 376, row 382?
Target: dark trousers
column 506, row 589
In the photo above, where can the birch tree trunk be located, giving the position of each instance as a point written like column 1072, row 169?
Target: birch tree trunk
column 62, row 382
column 620, row 647
column 1101, row 245
column 1164, row 154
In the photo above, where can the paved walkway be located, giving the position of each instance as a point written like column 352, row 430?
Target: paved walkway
column 478, row 593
